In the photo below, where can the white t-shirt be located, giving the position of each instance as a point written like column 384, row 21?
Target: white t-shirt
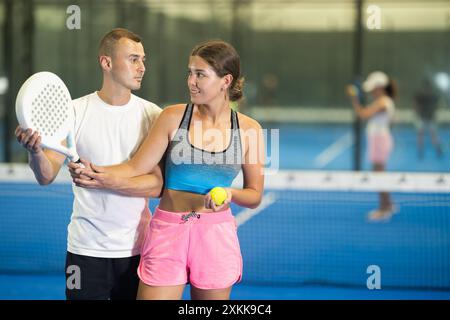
column 105, row 224
column 380, row 122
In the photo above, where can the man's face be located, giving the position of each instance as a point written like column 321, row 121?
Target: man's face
column 127, row 64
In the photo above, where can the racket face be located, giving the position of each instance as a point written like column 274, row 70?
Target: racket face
column 44, row 105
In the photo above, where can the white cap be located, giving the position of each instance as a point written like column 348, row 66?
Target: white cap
column 376, row 79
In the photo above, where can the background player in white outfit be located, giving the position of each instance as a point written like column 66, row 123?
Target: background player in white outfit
column 380, row 115
column 109, row 221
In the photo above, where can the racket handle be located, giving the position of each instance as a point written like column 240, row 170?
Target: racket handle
column 70, row 153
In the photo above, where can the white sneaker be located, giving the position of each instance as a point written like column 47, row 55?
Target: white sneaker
column 379, row 215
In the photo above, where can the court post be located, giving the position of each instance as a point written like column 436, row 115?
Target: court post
column 8, row 56
column 357, row 71
column 18, row 61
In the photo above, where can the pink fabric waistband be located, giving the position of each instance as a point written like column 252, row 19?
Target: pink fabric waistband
column 181, row 217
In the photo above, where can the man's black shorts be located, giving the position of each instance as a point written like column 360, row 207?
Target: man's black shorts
column 91, row 278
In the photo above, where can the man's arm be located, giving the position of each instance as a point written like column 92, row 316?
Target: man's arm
column 44, row 163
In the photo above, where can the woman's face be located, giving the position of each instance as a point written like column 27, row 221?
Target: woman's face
column 203, row 82
column 377, row 92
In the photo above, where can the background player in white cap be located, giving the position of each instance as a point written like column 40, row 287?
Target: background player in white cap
column 379, row 114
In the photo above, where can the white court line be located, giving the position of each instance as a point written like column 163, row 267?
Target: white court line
column 334, row 150
column 246, row 214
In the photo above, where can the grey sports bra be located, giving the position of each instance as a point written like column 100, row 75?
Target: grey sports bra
column 191, row 169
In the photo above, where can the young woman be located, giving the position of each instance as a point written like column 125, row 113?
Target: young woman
column 379, row 138
column 205, row 144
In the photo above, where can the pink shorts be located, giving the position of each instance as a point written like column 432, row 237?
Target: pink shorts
column 202, row 249
column 379, row 147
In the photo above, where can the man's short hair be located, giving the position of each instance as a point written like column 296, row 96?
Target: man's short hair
column 109, row 41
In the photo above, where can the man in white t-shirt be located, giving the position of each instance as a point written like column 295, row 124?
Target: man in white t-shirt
column 109, row 220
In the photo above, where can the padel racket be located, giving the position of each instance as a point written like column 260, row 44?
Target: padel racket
column 44, row 105
column 359, row 91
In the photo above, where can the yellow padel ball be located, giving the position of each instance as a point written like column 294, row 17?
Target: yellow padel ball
column 218, row 195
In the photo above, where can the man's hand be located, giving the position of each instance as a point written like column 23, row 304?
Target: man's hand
column 29, row 140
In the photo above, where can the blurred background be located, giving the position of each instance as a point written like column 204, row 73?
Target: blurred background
column 307, row 240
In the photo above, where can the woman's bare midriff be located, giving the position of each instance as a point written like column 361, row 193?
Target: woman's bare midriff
column 182, row 201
